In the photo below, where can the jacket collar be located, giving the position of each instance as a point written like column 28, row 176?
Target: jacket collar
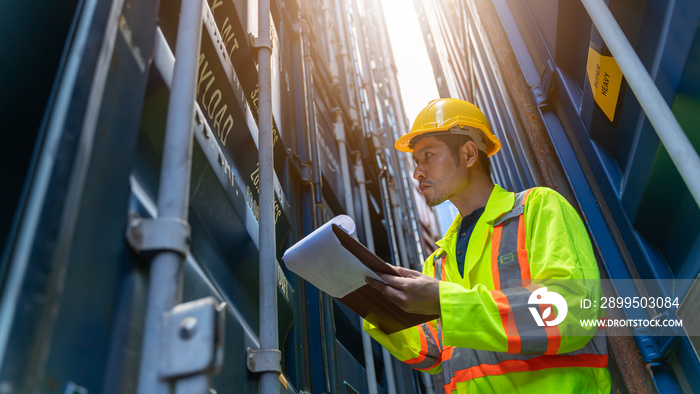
column 500, row 201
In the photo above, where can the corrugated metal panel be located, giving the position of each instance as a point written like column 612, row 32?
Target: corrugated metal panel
column 639, row 212
column 74, row 292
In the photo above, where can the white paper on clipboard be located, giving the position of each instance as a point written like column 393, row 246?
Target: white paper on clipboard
column 325, row 263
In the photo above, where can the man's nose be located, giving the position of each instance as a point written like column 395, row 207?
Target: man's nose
column 419, row 173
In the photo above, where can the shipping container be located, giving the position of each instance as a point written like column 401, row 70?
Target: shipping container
column 87, row 88
column 598, row 100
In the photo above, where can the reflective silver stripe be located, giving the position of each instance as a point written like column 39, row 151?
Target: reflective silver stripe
column 437, row 264
column 533, row 338
column 425, row 364
column 518, row 209
column 433, row 349
column 447, row 370
column 468, row 358
column 507, row 260
column 598, row 345
column 461, row 359
column 446, row 364
column 433, row 352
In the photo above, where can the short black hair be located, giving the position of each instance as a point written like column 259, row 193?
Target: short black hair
column 454, row 142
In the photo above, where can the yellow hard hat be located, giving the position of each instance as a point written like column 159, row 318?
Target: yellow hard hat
column 457, row 116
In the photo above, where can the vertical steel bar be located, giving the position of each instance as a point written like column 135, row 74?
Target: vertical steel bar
column 269, row 381
column 327, row 318
column 398, row 223
column 174, row 189
column 313, row 134
column 388, row 215
column 406, row 173
column 350, row 209
column 339, row 128
column 361, row 182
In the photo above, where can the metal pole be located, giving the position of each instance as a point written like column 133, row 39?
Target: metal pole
column 384, row 190
column 333, row 65
column 350, row 209
column 269, row 380
column 398, row 223
column 339, row 129
column 669, row 131
column 174, row 190
column 361, row 182
column 311, row 102
column 357, row 76
column 327, row 318
column 406, row 174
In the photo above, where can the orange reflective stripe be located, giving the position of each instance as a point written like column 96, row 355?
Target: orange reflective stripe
column 553, row 333
column 429, row 355
column 522, row 251
column 442, row 273
column 423, row 350
column 533, row 364
column 509, row 327
column 439, row 264
column 435, row 336
column 447, row 353
column 494, row 256
column 526, row 193
column 509, row 262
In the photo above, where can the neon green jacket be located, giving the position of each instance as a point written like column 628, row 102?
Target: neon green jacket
column 481, row 342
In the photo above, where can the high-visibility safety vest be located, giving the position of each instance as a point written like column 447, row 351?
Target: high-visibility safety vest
column 486, row 339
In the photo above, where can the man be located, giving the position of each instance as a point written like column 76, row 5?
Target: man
column 503, row 252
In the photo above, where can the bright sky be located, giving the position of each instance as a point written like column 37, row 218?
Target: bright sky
column 415, row 73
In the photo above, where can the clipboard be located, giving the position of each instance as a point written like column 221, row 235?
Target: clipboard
column 322, row 259
column 367, row 301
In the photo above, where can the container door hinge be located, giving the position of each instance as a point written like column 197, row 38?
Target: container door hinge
column 192, row 339
column 269, row 360
column 256, row 43
column 153, row 234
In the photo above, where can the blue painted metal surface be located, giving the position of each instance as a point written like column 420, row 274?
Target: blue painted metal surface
column 595, row 175
column 77, row 310
column 640, row 215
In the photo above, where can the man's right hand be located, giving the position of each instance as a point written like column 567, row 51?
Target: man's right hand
column 412, row 292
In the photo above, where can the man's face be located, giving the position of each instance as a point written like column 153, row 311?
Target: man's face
column 439, row 177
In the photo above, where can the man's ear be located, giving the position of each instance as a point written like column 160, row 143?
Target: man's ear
column 470, row 152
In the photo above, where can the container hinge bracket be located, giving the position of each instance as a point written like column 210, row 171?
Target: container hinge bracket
column 266, row 360
column 153, row 234
column 260, row 42
column 305, row 169
column 192, row 339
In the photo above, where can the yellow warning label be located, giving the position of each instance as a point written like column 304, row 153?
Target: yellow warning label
column 283, row 380
column 605, row 78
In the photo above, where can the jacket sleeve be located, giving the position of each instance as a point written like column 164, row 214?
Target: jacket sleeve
column 417, row 346
column 560, row 258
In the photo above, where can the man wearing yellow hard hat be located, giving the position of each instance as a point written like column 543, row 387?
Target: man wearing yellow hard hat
column 504, row 254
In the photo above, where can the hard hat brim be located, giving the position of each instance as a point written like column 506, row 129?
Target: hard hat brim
column 403, row 144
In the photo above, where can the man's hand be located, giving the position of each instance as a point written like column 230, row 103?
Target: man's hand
column 413, row 292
